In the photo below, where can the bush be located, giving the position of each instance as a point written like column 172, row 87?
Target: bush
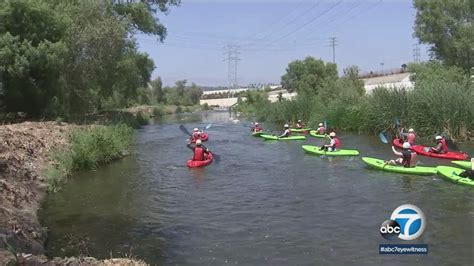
column 88, row 149
column 178, row 110
column 142, row 119
column 158, row 111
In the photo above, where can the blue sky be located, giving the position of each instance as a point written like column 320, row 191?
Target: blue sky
column 271, row 34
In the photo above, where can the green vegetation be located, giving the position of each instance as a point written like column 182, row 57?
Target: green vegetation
column 442, row 101
column 88, row 149
column 447, row 27
column 70, row 58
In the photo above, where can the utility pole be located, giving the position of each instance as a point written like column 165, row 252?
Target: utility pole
column 232, row 57
column 416, row 53
column 333, row 44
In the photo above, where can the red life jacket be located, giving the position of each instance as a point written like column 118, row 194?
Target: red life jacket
column 258, row 129
column 196, row 135
column 444, row 147
column 411, row 138
column 321, row 130
column 198, row 154
column 338, row 143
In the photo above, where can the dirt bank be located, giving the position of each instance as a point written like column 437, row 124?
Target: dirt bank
column 24, row 150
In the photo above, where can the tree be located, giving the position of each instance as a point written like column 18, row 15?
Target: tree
column 447, row 27
column 308, row 76
column 157, row 87
column 351, row 73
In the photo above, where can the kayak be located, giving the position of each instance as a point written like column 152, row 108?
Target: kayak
column 204, row 137
column 420, row 149
column 463, row 164
column 271, row 137
column 258, row 134
column 300, row 130
column 193, row 164
column 423, row 150
column 452, row 174
column 380, row 164
column 316, row 135
column 317, row 150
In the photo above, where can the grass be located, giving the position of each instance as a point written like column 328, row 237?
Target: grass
column 88, row 149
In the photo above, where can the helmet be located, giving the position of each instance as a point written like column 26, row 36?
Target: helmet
column 438, row 137
column 332, row 134
column 256, row 123
column 286, row 125
column 411, row 130
column 321, row 124
column 299, row 121
column 406, row 145
column 198, row 142
column 195, row 129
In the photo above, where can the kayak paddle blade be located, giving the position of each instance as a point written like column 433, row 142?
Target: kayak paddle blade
column 325, row 124
column 208, row 126
column 184, row 130
column 216, row 157
column 383, row 138
column 397, row 122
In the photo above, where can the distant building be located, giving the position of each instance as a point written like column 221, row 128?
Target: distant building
column 400, row 80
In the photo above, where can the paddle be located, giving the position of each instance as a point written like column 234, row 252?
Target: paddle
column 383, row 137
column 208, row 126
column 184, row 130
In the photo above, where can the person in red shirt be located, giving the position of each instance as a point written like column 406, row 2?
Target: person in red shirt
column 334, row 143
column 200, row 151
column 441, row 145
column 321, row 130
column 256, row 128
column 299, row 124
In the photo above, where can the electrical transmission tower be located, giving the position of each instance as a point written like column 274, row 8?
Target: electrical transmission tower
column 416, row 53
column 333, row 43
column 232, row 57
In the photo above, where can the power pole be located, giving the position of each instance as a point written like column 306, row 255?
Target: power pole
column 333, row 44
column 232, row 57
column 416, row 53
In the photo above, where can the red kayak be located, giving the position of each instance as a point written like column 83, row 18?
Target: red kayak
column 423, row 150
column 193, row 164
column 204, row 137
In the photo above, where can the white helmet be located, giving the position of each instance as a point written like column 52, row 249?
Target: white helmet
column 321, row 124
column 406, row 145
column 332, row 134
column 411, row 130
column 438, row 137
column 195, row 129
column 286, row 125
column 256, row 123
column 198, row 142
column 299, row 120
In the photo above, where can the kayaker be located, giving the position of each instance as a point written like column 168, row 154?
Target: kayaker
column 334, row 143
column 409, row 137
column 299, row 124
column 321, row 130
column 441, row 145
column 469, row 173
column 196, row 134
column 200, row 151
column 407, row 157
column 286, row 132
column 256, row 128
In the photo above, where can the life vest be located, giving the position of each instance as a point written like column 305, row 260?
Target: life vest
column 444, row 147
column 337, row 143
column 409, row 158
column 196, row 135
column 411, row 138
column 198, row 154
column 321, row 130
column 287, row 132
column 258, row 129
column 299, row 126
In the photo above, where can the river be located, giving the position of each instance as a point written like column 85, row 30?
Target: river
column 263, row 203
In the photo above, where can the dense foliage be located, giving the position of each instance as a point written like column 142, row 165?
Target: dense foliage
column 447, row 27
column 68, row 58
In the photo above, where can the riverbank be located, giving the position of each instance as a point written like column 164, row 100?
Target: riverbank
column 25, row 157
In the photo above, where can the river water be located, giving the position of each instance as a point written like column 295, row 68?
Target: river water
column 263, row 203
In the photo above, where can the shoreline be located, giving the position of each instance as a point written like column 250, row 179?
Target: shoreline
column 25, row 150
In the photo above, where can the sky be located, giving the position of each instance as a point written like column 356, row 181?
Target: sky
column 371, row 34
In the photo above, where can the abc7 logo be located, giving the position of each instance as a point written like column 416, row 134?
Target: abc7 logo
column 407, row 222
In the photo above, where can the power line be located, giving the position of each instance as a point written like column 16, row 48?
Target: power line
column 232, row 52
column 309, row 22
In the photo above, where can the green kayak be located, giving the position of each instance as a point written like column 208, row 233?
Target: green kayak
column 271, row 137
column 452, row 174
column 463, row 164
column 257, row 134
column 380, row 164
column 314, row 134
column 316, row 150
column 300, row 130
